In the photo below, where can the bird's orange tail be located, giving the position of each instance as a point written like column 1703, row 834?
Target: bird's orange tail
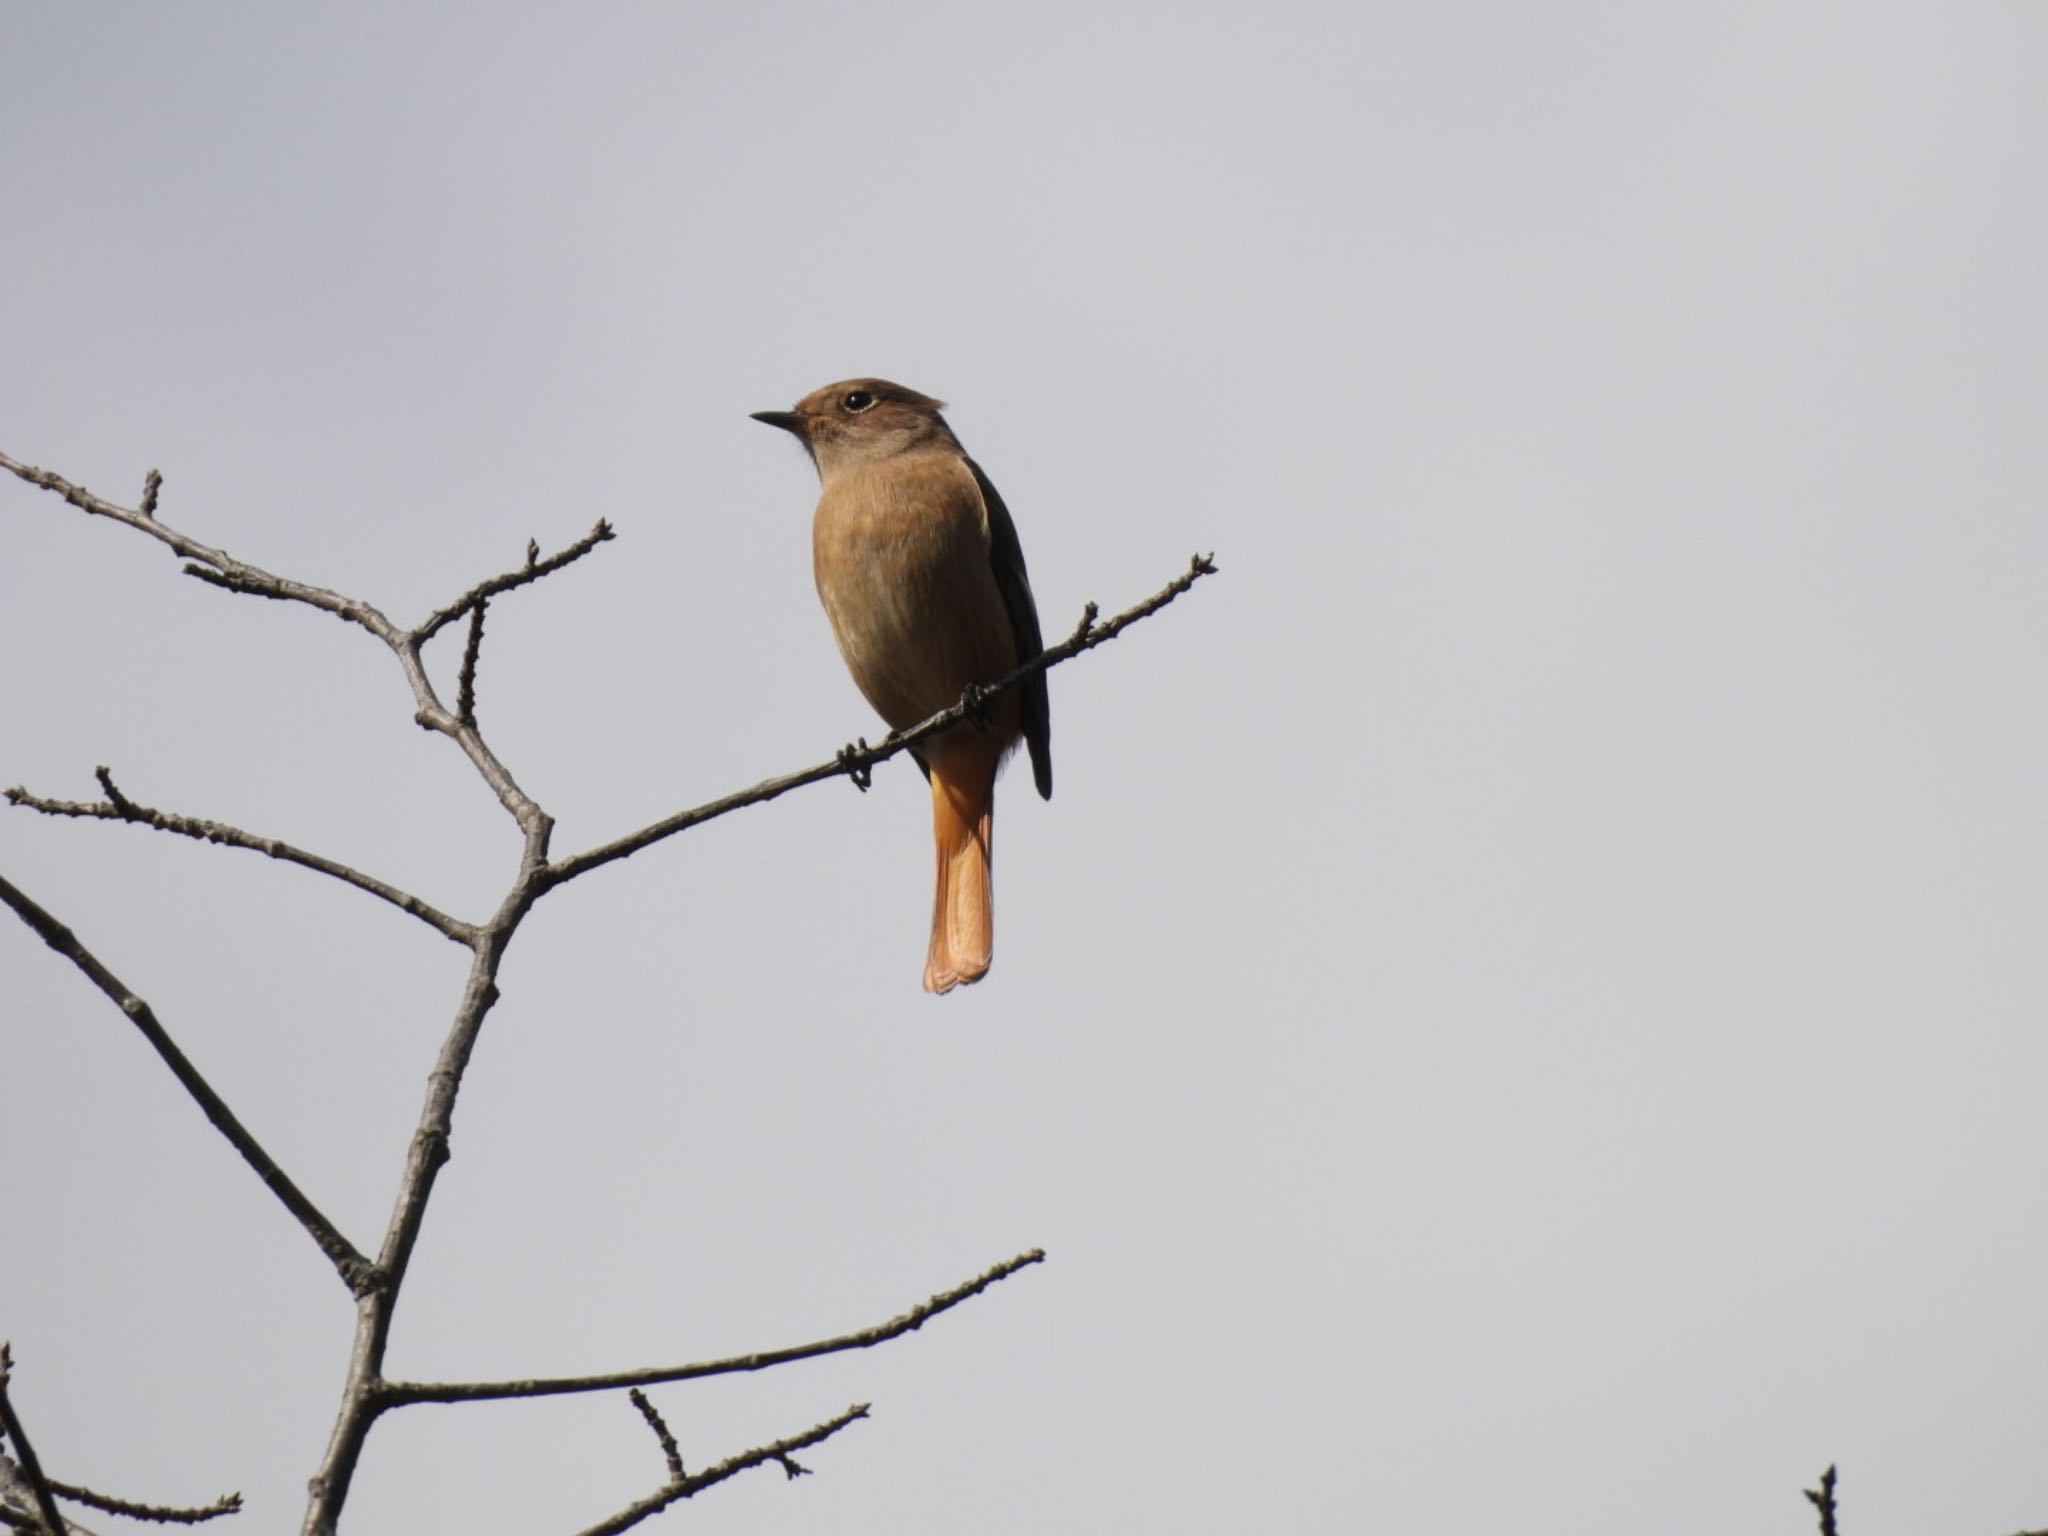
column 963, row 907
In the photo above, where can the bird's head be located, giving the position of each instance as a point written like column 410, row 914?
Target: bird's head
column 860, row 421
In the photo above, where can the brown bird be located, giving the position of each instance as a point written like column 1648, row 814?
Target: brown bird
column 918, row 565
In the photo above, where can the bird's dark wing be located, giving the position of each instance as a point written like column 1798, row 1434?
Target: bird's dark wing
column 1007, row 555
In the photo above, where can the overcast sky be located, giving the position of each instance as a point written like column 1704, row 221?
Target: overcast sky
column 1526, row 1010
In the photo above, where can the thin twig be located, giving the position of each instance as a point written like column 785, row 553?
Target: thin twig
column 218, row 568
column 356, row 1271
column 162, row 1514
column 682, row 1488
column 401, row 1393
column 858, row 763
column 211, row 563
column 671, row 1452
column 1823, row 1499
column 532, row 571
column 118, row 807
column 31, row 1468
column 362, row 1399
column 465, row 685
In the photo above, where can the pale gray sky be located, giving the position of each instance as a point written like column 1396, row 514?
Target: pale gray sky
column 1526, row 1009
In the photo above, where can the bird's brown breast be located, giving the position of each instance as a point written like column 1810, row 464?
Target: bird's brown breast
column 900, row 550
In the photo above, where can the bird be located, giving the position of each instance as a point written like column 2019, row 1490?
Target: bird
column 921, row 574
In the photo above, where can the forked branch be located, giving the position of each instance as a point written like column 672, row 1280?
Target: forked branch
column 376, row 1284
column 782, row 1452
column 28, row 1496
column 118, row 807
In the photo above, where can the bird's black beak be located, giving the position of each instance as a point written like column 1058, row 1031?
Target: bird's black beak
column 789, row 421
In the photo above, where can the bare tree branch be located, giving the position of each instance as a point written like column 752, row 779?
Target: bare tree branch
column 40, row 1495
column 857, row 763
column 14, row 1487
column 161, row 1514
column 401, row 1393
column 118, row 807
column 472, row 652
column 670, row 1451
column 1823, row 1499
column 221, row 569
column 676, row 1489
column 236, row 574
column 362, row 1395
column 356, row 1271
column 366, row 1393
column 534, row 569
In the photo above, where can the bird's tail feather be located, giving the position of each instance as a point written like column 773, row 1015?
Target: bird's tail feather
column 963, row 906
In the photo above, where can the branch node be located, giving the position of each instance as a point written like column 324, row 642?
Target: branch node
column 151, row 484
column 120, row 802
column 1086, row 627
column 533, row 570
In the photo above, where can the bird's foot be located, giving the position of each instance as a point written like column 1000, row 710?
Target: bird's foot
column 855, row 764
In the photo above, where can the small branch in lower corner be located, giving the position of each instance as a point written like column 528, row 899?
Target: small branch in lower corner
column 1823, row 1499
column 162, row 1514
column 38, row 1491
column 678, row 1489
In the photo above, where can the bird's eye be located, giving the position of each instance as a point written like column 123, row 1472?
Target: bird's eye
column 857, row 400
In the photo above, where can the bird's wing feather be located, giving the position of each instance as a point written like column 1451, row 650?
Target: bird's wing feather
column 1006, row 554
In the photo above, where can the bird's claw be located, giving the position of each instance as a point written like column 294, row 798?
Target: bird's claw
column 975, row 705
column 853, row 762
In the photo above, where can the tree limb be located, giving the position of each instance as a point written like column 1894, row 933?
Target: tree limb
column 670, row 1451
column 401, row 1393
column 356, row 1271
column 220, row 569
column 160, row 1514
column 40, row 1494
column 366, row 1394
column 682, row 1488
column 857, row 763
column 534, row 569
column 1823, row 1500
column 472, row 652
column 118, row 807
